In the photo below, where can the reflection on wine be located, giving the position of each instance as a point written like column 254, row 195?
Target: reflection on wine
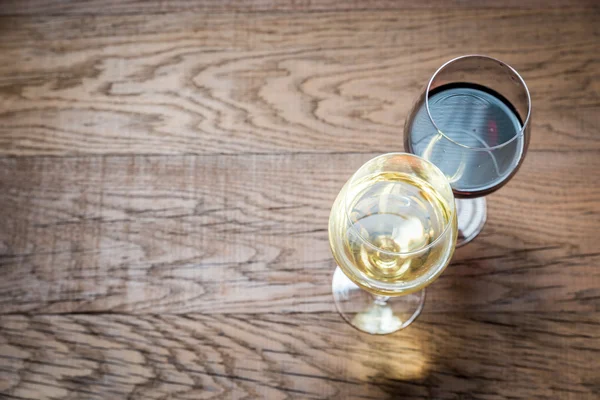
column 382, row 228
column 485, row 145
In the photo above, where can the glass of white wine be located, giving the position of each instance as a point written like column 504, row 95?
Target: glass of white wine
column 392, row 231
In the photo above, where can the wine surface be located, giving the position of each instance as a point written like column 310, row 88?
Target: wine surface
column 472, row 120
column 381, row 229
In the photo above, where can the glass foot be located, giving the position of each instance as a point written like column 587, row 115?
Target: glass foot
column 378, row 315
column 471, row 214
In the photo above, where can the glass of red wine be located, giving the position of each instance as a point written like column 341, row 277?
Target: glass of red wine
column 473, row 122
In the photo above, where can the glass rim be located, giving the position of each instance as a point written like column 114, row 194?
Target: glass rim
column 523, row 84
column 447, row 226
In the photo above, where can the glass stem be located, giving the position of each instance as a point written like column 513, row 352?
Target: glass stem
column 380, row 300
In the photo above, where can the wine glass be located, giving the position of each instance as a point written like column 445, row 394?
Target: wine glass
column 472, row 121
column 392, row 231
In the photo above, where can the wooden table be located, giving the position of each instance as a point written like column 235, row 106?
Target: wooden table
column 166, row 175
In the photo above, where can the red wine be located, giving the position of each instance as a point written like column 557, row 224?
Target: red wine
column 476, row 140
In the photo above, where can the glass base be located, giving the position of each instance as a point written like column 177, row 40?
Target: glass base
column 471, row 214
column 377, row 315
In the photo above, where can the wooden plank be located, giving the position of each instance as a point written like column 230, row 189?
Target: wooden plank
column 247, row 233
column 120, row 7
column 526, row 356
column 276, row 83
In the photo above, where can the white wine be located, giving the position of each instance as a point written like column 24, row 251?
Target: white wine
column 392, row 233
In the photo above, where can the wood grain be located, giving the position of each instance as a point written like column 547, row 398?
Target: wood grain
column 166, row 174
column 120, row 7
column 249, row 233
column 269, row 83
column 527, row 356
